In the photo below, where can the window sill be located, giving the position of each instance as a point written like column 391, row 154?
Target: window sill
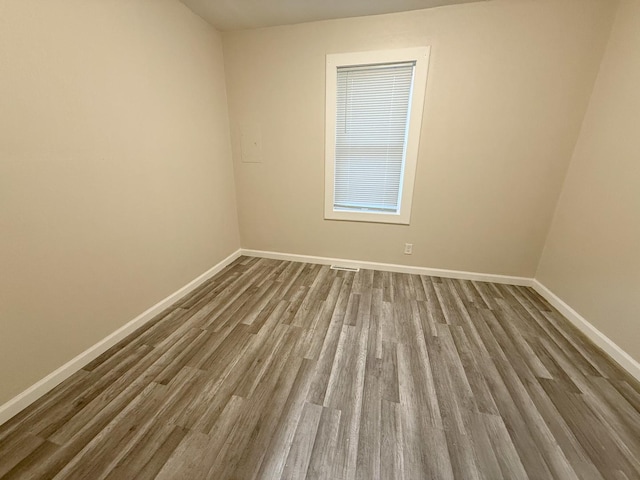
column 392, row 218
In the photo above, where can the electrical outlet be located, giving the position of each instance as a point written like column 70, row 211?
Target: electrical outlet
column 408, row 248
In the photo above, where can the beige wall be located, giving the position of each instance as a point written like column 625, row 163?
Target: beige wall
column 116, row 184
column 592, row 256
column 508, row 86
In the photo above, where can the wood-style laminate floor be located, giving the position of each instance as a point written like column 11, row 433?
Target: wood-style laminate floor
column 289, row 370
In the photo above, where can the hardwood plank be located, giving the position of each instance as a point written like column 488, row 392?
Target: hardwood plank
column 147, row 457
column 299, row 455
column 197, row 452
column 325, row 445
column 16, row 451
column 280, row 440
column 391, row 441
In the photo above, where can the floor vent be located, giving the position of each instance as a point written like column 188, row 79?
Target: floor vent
column 344, row 269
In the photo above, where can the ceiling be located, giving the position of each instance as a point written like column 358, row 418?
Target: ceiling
column 243, row 14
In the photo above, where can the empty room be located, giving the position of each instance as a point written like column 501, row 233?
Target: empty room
column 285, row 239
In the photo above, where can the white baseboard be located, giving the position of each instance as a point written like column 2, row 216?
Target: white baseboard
column 31, row 394
column 390, row 267
column 26, row 398
column 596, row 336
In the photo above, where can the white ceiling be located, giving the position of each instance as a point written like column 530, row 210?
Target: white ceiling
column 243, row 14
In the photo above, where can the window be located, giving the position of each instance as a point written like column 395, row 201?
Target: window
column 373, row 119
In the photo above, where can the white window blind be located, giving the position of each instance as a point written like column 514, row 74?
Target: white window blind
column 372, row 119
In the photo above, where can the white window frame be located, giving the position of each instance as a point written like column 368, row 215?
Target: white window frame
column 419, row 55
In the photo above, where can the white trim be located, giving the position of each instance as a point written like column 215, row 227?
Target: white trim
column 420, row 55
column 596, row 336
column 31, row 394
column 390, row 267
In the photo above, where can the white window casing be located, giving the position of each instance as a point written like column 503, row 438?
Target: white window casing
column 374, row 108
